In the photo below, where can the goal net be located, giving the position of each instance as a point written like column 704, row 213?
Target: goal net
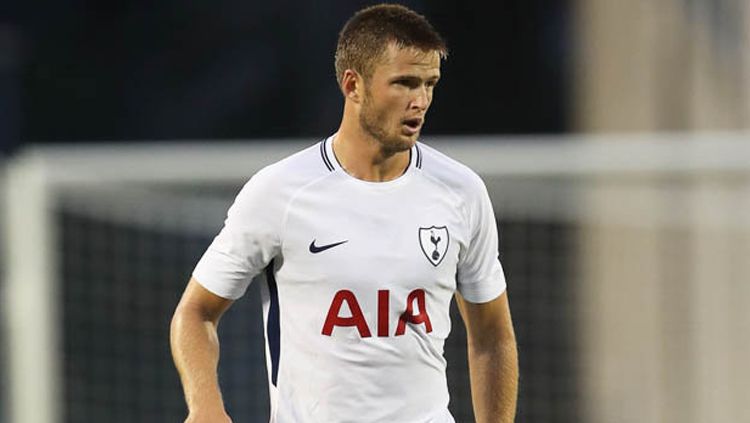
column 626, row 260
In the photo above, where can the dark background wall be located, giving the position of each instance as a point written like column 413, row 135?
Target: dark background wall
column 136, row 70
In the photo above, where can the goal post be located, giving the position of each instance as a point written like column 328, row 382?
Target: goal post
column 30, row 295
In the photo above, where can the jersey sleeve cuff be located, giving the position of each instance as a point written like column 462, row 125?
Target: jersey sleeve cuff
column 222, row 276
column 485, row 290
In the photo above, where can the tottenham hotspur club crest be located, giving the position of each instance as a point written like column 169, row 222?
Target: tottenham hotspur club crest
column 434, row 242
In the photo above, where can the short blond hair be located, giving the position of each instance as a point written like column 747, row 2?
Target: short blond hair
column 367, row 34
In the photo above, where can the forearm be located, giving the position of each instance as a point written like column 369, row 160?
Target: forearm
column 195, row 350
column 493, row 370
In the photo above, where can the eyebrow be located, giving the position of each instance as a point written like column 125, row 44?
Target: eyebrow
column 414, row 78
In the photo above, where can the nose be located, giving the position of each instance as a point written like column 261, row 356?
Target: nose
column 421, row 99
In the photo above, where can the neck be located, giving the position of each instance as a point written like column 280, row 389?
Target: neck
column 364, row 157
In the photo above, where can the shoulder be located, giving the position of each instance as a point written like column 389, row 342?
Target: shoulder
column 291, row 172
column 304, row 165
column 449, row 172
column 276, row 183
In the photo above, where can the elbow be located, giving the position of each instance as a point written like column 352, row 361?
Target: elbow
column 185, row 316
column 177, row 322
column 500, row 342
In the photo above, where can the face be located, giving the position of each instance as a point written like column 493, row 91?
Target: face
column 397, row 95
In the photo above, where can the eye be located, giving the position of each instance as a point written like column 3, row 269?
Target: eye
column 407, row 82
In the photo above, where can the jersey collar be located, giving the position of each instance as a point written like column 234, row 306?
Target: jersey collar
column 332, row 163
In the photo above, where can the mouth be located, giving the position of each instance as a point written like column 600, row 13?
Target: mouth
column 412, row 126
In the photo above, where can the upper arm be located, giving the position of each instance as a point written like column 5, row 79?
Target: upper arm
column 480, row 276
column 487, row 322
column 198, row 299
column 247, row 243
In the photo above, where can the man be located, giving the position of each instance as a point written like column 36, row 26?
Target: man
column 365, row 238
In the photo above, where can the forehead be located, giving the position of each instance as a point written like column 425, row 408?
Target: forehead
column 409, row 60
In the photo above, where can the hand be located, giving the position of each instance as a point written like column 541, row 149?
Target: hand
column 209, row 417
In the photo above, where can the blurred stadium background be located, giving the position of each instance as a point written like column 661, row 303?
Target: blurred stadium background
column 613, row 137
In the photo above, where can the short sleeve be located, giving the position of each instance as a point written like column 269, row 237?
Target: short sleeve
column 246, row 244
column 480, row 275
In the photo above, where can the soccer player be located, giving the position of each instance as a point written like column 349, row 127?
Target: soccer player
column 365, row 238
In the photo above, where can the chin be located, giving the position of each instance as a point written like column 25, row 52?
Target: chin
column 410, row 140
column 401, row 143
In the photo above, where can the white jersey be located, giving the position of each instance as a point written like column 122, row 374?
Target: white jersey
column 360, row 279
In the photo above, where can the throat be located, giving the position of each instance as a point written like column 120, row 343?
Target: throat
column 371, row 165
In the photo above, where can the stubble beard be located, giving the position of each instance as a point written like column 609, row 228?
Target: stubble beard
column 374, row 123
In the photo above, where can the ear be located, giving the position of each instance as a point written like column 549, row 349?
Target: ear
column 352, row 85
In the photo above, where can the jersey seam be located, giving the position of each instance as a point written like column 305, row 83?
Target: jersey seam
column 293, row 197
column 472, row 231
column 455, row 194
column 231, row 257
